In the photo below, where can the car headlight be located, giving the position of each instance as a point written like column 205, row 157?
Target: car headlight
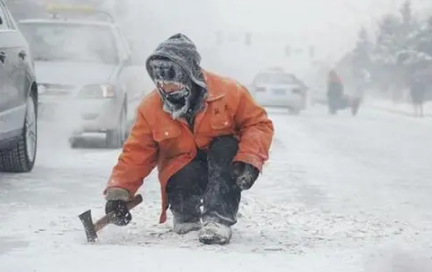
column 98, row 91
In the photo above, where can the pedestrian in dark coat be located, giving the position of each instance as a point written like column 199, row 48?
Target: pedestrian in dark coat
column 334, row 92
column 419, row 83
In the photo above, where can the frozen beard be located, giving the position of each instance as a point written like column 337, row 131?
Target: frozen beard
column 176, row 103
column 166, row 72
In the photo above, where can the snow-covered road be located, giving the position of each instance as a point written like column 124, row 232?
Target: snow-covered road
column 336, row 192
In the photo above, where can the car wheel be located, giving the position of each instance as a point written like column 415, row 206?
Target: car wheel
column 73, row 142
column 21, row 158
column 116, row 138
column 305, row 102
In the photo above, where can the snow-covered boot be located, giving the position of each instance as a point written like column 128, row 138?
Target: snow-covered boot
column 183, row 227
column 215, row 233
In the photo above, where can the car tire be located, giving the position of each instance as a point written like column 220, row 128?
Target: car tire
column 73, row 142
column 21, row 157
column 116, row 138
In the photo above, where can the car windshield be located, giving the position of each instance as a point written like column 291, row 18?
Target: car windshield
column 71, row 42
column 275, row 78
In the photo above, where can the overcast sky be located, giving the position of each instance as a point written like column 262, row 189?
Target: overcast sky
column 330, row 25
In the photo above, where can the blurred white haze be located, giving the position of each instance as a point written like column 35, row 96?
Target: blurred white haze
column 345, row 187
column 330, row 26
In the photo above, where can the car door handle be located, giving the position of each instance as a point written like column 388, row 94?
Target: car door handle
column 2, row 56
column 22, row 55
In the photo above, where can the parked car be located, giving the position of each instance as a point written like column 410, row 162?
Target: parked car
column 18, row 98
column 276, row 88
column 86, row 72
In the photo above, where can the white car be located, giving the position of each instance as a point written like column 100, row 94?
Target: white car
column 87, row 75
column 279, row 89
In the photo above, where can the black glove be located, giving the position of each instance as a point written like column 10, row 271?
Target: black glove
column 244, row 174
column 121, row 215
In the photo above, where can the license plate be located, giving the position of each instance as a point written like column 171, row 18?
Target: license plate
column 279, row 91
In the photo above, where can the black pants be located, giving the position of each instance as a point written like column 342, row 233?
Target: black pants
column 207, row 181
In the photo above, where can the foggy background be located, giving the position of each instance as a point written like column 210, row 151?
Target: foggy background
column 320, row 35
column 330, row 26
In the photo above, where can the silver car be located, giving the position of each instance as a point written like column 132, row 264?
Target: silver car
column 87, row 76
column 18, row 99
column 279, row 89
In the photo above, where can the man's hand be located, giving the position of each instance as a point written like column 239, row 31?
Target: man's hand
column 121, row 215
column 244, row 174
column 116, row 203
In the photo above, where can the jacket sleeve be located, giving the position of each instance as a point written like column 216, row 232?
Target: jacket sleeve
column 256, row 130
column 137, row 160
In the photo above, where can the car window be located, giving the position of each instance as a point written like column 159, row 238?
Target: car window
column 3, row 21
column 71, row 42
column 275, row 78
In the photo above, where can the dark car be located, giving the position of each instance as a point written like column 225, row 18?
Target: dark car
column 18, row 98
column 276, row 88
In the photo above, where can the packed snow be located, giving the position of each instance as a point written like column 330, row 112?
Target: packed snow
column 340, row 193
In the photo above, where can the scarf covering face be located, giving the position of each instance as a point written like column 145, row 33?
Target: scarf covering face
column 176, row 61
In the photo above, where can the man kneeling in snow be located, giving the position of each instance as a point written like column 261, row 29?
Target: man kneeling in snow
column 205, row 134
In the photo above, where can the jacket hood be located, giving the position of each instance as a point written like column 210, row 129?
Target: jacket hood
column 181, row 50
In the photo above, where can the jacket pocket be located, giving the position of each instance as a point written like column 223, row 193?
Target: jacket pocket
column 221, row 122
column 165, row 133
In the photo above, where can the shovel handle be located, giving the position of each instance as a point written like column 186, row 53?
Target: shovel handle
column 105, row 220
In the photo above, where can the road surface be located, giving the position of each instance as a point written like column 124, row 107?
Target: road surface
column 338, row 194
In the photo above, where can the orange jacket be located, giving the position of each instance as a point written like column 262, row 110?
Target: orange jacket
column 158, row 140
